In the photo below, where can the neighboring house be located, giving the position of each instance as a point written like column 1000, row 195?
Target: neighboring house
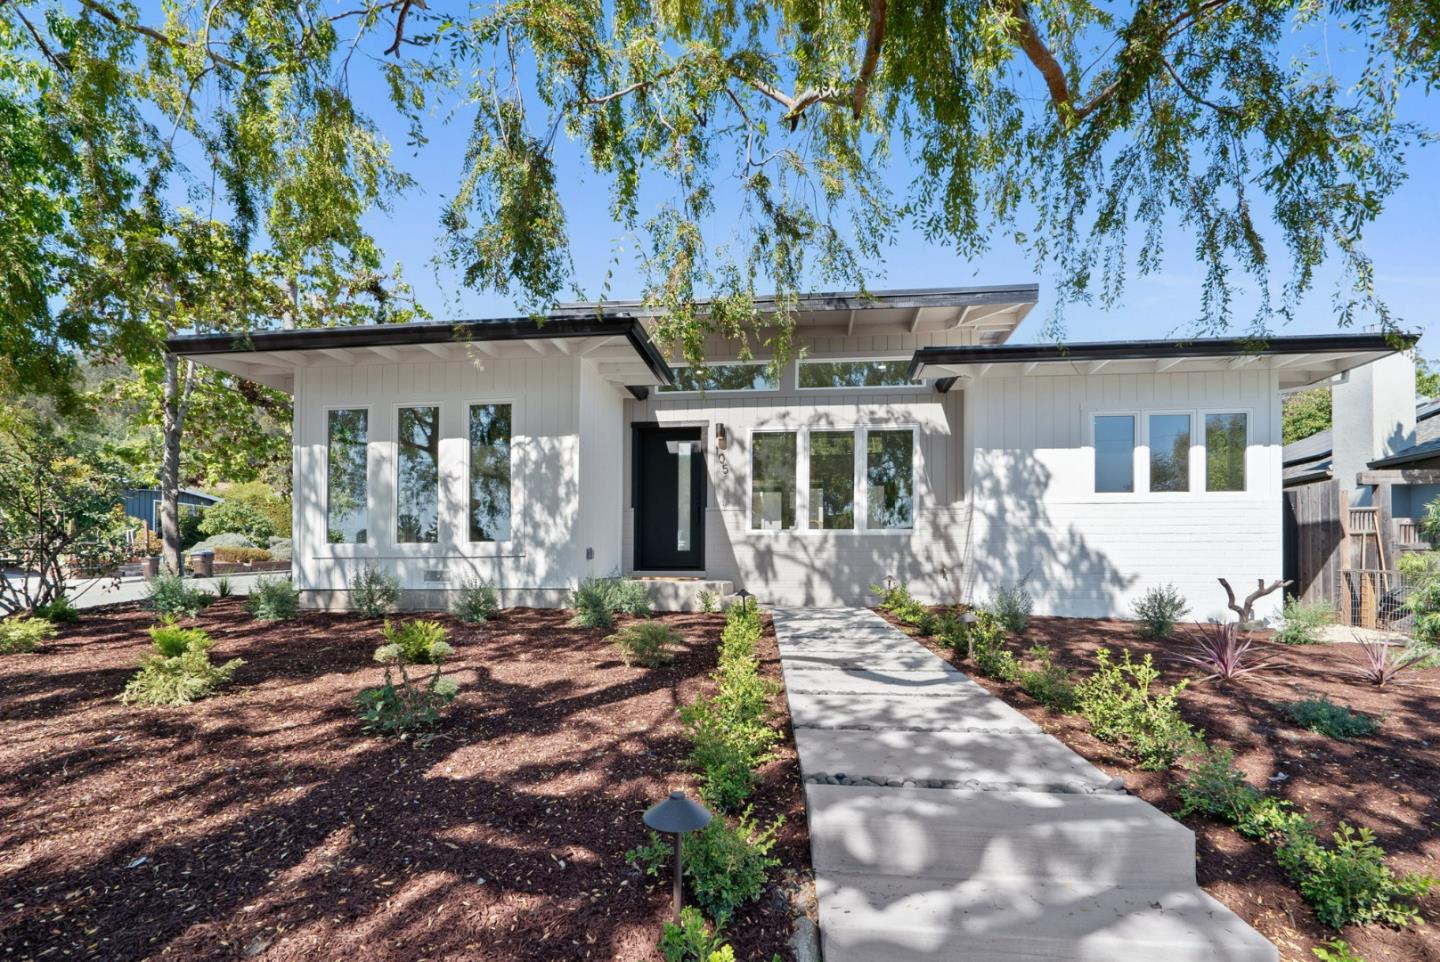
column 143, row 504
column 909, row 441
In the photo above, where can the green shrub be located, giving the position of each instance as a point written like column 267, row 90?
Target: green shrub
column 19, row 634
column 950, row 632
column 59, row 611
column 1350, row 884
column 1319, row 714
column 1303, row 624
column 252, row 509
column 597, row 600
column 709, row 601
column 241, row 555
column 906, row 609
column 726, row 866
column 1121, row 708
column 1011, row 605
column 224, row 587
column 987, row 649
column 273, row 599
column 179, row 670
column 646, row 643
column 414, row 643
column 1214, row 787
column 374, row 592
column 1047, row 682
column 1336, row 950
column 1159, row 610
column 408, row 707
column 170, row 597
column 691, row 940
column 475, row 601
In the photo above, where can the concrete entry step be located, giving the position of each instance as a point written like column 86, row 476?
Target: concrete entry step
column 1106, row 839
column 965, row 759
column 960, row 710
column 869, row 918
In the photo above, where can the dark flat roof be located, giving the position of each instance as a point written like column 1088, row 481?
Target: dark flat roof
column 906, row 297
column 1137, row 350
column 431, row 332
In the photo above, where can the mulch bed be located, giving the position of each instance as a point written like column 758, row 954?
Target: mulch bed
column 1388, row 782
column 264, row 824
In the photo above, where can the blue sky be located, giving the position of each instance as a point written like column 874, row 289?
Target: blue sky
column 1403, row 244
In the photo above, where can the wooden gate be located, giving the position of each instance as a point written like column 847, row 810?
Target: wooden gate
column 1314, row 540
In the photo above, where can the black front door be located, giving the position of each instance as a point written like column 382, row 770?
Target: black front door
column 669, row 480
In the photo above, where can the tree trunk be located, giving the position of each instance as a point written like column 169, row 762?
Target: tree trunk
column 170, row 469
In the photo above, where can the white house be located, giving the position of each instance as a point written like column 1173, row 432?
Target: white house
column 909, row 440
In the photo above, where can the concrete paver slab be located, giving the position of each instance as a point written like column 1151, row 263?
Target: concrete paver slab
column 959, row 710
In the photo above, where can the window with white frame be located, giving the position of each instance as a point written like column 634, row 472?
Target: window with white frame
column 1169, row 452
column 417, row 488
column 856, row 479
column 490, row 429
column 1114, row 436
column 831, row 374
column 1226, row 437
column 773, row 459
column 346, row 483
column 746, row 376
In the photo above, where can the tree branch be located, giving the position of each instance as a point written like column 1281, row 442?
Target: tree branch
column 874, row 37
column 405, row 6
column 156, row 35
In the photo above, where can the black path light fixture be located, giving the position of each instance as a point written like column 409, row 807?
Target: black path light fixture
column 677, row 816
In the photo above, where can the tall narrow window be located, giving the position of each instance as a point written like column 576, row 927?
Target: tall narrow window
column 1169, row 452
column 772, row 480
column 832, row 480
column 490, row 472
column 1225, row 439
column 417, row 519
column 1114, row 453
column 347, row 518
column 890, row 475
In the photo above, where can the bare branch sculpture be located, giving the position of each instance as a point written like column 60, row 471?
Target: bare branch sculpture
column 1246, row 612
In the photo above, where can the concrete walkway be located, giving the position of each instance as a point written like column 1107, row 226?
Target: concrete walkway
column 945, row 825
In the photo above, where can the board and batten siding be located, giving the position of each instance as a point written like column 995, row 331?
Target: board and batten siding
column 546, row 554
column 1035, row 514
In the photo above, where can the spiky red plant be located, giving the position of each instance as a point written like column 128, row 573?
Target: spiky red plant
column 1222, row 650
column 1382, row 662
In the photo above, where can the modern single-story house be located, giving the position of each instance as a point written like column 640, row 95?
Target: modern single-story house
column 143, row 504
column 908, row 440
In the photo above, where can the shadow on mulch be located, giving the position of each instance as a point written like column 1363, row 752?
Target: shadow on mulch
column 1388, row 782
column 264, row 824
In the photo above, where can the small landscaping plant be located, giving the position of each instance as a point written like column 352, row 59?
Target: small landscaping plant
column 1159, row 610
column 415, row 642
column 1381, row 662
column 1336, row 950
column 170, row 597
column 1214, row 787
column 987, row 649
column 691, row 940
column 224, row 587
column 708, row 601
column 59, row 611
column 1011, row 605
column 646, row 643
column 898, row 601
column 475, row 601
column 273, row 599
column 1118, row 702
column 598, row 600
column 730, row 732
column 374, row 592
column 1047, row 682
column 951, row 632
column 1321, row 715
column 179, row 670
column 19, row 634
column 726, row 865
column 1303, row 624
column 408, row 707
column 1222, row 650
column 1349, row 883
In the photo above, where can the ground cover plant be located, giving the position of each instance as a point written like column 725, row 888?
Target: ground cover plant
column 270, row 825
column 1319, row 714
column 1384, row 782
column 19, row 634
column 178, row 670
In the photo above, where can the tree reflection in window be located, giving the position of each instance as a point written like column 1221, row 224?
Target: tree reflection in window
column 417, row 519
column 772, row 481
column 890, row 472
column 1225, row 439
column 346, row 514
column 490, row 472
column 820, row 374
column 832, row 480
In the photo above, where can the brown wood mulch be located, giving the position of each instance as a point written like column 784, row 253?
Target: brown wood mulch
column 1388, row 782
column 264, row 824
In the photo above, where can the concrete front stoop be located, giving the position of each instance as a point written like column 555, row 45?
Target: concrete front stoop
column 945, row 825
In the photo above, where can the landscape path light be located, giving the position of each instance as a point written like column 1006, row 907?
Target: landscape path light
column 677, row 816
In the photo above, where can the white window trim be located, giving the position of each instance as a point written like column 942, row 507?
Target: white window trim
column 773, row 389
column 1143, row 440
column 859, row 479
column 516, row 497
column 348, row 549
column 443, row 534
column 905, row 359
column 1204, row 453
